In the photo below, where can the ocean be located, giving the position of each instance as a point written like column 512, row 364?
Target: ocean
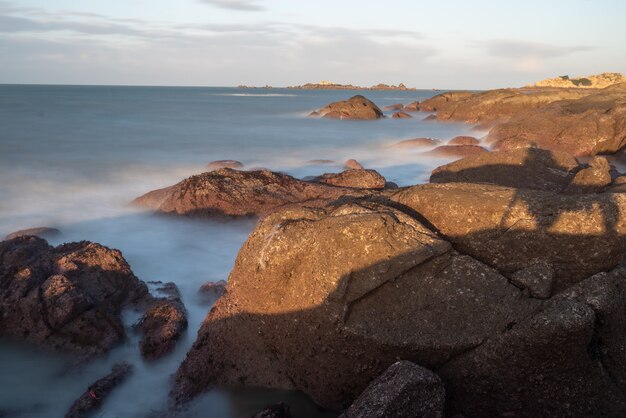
column 73, row 157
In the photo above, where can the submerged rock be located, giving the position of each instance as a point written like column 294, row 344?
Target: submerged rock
column 213, row 289
column 528, row 168
column 356, row 107
column 417, row 142
column 397, row 106
column 403, row 390
column 359, row 179
column 66, row 298
column 98, row 391
column 352, row 164
column 41, row 232
column 412, row 107
column 239, row 193
column 279, row 410
column 456, row 151
column 401, row 115
column 162, row 325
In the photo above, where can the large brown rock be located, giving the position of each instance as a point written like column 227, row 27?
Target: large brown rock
column 528, row 168
column 67, row 298
column 359, row 179
column 324, row 300
column 493, row 105
column 589, row 125
column 403, row 390
column 238, row 193
column 513, row 228
column 356, row 107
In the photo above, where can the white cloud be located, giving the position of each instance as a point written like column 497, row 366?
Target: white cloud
column 243, row 5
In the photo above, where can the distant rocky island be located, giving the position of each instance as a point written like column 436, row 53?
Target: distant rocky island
column 598, row 81
column 329, row 85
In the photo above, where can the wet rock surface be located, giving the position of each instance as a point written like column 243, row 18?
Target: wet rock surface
column 528, row 168
column 97, row 392
column 359, row 179
column 66, row 298
column 403, row 390
column 356, row 107
column 229, row 192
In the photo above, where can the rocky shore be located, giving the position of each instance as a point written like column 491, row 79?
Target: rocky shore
column 496, row 289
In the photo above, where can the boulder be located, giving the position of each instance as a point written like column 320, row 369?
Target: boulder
column 463, row 140
column 162, row 324
column 41, row 232
column 592, row 179
column 412, row 107
column 359, row 179
column 446, row 151
column 356, row 107
column 401, row 115
column 219, row 164
column 229, row 192
column 529, row 168
column 403, row 390
column 537, row 278
column 511, row 228
column 98, row 391
column 397, row 106
column 417, row 142
column 352, row 164
column 213, row 290
column 66, row 298
column 493, row 105
column 589, row 125
column 324, row 300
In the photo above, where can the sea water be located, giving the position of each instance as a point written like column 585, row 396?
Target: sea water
column 73, row 157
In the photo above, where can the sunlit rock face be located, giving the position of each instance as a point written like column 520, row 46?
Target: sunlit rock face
column 356, row 107
column 324, row 300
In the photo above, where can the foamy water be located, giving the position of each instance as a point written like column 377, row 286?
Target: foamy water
column 73, row 157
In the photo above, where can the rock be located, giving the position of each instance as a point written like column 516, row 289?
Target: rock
column 493, row 105
column 401, row 115
column 353, row 165
column 162, row 324
column 463, row 140
column 417, row 142
column 591, row 179
column 324, row 300
column 41, row 232
column 356, row 107
column 397, row 106
column 528, row 370
column 229, row 192
column 589, row 125
column 360, row 179
column 511, row 229
column 314, row 114
column 97, row 392
column 537, row 278
column 528, row 168
column 456, row 151
column 219, row 164
column 66, row 298
column 412, row 107
column 599, row 81
column 403, row 390
column 279, row 410
column 213, row 289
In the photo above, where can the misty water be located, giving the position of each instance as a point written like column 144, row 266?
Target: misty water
column 74, row 157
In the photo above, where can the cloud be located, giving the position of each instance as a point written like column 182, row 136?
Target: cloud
column 242, row 5
column 509, row 48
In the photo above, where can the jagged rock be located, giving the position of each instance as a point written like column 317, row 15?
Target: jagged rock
column 324, row 300
column 353, row 165
column 356, row 107
column 538, row 279
column 279, row 410
column 417, row 142
column 463, row 140
column 528, row 168
column 591, row 179
column 360, row 179
column 97, row 392
column 66, row 298
column 238, row 193
column 589, row 125
column 456, row 151
column 41, row 232
column 512, row 228
column 403, row 390
column 162, row 324
column 401, row 115
column 219, row 164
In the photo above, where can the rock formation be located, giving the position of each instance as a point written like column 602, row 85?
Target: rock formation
column 358, row 179
column 356, row 107
column 598, row 81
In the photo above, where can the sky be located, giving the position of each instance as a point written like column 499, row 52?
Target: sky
column 454, row 44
